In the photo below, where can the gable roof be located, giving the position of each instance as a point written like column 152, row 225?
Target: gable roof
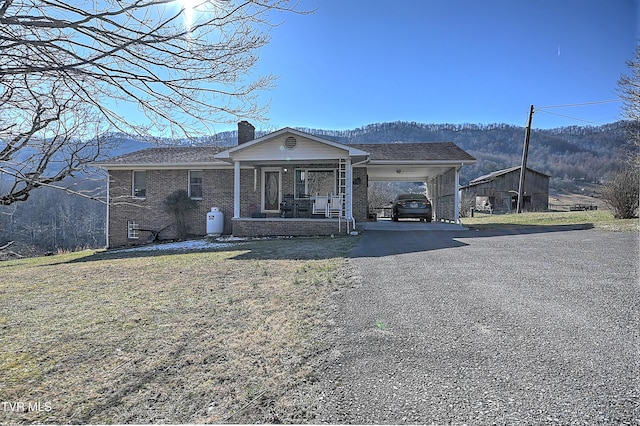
column 185, row 156
column 216, row 156
column 415, row 152
column 288, row 130
column 491, row 176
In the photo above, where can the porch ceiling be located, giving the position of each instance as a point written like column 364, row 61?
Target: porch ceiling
column 405, row 172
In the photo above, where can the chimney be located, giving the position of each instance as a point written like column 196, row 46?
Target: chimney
column 246, row 132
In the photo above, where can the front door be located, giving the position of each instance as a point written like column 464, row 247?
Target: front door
column 271, row 190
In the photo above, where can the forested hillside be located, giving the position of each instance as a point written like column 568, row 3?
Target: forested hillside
column 51, row 220
column 567, row 154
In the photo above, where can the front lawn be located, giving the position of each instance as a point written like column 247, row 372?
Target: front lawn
column 165, row 337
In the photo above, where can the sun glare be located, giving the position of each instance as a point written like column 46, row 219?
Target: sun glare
column 189, row 7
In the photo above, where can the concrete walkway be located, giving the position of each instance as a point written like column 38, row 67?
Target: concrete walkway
column 410, row 226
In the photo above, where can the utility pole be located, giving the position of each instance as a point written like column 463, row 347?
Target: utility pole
column 523, row 168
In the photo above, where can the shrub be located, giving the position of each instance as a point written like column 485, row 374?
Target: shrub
column 622, row 193
column 179, row 204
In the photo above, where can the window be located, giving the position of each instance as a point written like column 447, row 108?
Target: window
column 195, row 184
column 133, row 230
column 315, row 181
column 139, row 184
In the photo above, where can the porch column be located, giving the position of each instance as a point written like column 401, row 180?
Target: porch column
column 456, row 202
column 236, row 189
column 349, row 189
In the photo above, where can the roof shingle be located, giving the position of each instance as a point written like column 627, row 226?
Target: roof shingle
column 419, row 151
column 168, row 155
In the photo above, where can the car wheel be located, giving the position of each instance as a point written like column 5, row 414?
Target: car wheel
column 428, row 219
column 394, row 217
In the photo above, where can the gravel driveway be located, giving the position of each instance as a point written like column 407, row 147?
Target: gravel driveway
column 480, row 328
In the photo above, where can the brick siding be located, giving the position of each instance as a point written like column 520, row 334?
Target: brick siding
column 217, row 187
column 247, row 227
column 360, row 196
column 149, row 212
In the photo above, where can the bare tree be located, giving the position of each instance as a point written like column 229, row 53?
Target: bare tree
column 622, row 191
column 629, row 90
column 467, row 204
column 69, row 72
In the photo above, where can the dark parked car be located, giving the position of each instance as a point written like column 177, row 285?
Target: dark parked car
column 411, row 205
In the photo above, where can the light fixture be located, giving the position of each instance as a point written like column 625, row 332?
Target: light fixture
column 398, row 171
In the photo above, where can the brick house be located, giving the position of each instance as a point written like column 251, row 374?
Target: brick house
column 285, row 183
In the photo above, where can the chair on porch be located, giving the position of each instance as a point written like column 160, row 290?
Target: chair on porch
column 287, row 207
column 320, row 203
column 334, row 208
column 303, row 207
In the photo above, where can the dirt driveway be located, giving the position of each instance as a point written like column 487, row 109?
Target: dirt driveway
column 539, row 326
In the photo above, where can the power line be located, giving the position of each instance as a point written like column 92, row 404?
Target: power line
column 572, row 118
column 579, row 105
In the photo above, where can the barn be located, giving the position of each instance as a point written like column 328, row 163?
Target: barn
column 498, row 191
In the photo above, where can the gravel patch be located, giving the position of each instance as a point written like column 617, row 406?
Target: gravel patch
column 482, row 328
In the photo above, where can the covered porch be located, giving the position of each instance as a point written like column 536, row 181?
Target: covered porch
column 293, row 199
column 293, row 183
column 296, row 198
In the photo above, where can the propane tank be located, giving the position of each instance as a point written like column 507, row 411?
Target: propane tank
column 215, row 222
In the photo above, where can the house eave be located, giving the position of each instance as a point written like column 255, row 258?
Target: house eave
column 420, row 162
column 163, row 166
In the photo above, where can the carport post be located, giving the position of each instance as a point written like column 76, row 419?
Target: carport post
column 456, row 203
column 349, row 191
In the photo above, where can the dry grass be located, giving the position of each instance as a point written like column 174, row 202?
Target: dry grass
column 590, row 194
column 220, row 336
column 600, row 219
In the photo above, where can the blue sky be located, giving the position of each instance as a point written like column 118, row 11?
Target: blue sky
column 356, row 62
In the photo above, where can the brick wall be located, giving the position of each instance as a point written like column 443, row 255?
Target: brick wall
column 360, row 198
column 246, row 227
column 149, row 212
column 217, row 192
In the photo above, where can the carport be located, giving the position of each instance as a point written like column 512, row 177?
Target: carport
column 436, row 163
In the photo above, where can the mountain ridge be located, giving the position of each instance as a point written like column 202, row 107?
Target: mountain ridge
column 571, row 153
column 583, row 153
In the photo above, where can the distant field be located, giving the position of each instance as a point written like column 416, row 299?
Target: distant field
column 601, row 219
column 165, row 337
column 589, row 195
